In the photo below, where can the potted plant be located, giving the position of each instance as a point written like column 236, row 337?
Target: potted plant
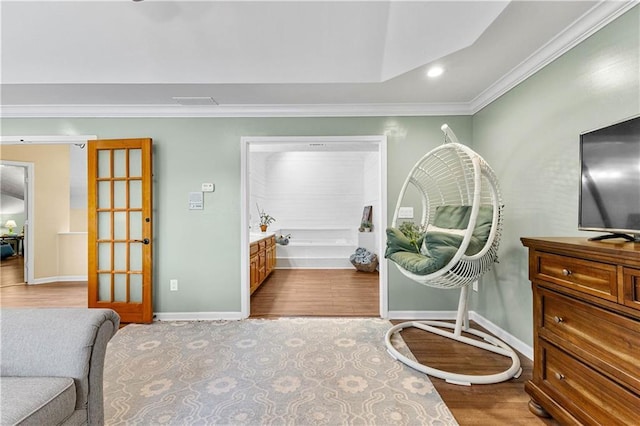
column 365, row 226
column 413, row 232
column 265, row 219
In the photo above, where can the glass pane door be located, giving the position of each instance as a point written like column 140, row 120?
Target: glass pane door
column 119, row 225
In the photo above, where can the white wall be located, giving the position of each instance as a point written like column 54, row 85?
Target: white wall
column 258, row 187
column 370, row 177
column 310, row 189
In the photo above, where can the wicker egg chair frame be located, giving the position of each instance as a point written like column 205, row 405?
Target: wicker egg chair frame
column 453, row 174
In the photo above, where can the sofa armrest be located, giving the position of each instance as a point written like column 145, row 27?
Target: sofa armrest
column 60, row 342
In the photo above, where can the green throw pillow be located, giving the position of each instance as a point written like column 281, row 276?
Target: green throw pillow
column 398, row 242
column 457, row 217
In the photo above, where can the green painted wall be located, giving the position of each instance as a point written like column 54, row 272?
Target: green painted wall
column 530, row 137
column 202, row 248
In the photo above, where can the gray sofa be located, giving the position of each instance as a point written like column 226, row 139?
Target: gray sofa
column 51, row 365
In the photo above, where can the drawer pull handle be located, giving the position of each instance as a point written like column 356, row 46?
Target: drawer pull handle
column 566, row 272
column 559, row 376
column 558, row 320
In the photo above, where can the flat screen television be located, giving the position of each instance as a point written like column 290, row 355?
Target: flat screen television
column 610, row 180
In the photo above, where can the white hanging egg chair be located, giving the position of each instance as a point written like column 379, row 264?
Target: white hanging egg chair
column 462, row 216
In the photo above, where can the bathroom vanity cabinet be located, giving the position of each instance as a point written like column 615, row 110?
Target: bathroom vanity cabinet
column 262, row 261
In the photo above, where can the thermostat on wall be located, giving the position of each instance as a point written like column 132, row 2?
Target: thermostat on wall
column 208, row 187
column 196, row 201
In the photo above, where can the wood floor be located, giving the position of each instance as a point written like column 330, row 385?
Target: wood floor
column 317, row 292
column 12, row 271
column 498, row 404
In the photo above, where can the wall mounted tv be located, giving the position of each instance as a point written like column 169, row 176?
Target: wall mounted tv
column 610, row 180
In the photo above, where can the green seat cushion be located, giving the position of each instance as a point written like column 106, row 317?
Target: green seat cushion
column 438, row 245
column 440, row 253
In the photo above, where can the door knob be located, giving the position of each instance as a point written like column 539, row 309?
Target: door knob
column 145, row 241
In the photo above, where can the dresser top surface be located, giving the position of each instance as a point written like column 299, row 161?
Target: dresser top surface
column 616, row 247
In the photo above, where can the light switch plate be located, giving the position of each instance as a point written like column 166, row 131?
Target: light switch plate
column 208, row 187
column 405, row 213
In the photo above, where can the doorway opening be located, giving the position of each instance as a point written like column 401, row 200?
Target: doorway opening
column 15, row 215
column 317, row 189
column 40, row 231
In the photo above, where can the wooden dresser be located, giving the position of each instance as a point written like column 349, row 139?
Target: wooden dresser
column 586, row 314
column 262, row 260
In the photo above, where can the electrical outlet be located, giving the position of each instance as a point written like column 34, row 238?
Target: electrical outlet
column 173, row 285
column 475, row 286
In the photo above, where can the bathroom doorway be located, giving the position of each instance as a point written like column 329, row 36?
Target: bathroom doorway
column 322, row 212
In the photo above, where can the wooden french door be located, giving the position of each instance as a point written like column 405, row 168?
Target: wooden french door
column 120, row 227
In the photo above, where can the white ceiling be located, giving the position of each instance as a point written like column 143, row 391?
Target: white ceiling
column 267, row 57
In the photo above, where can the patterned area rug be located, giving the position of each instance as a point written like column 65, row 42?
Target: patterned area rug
column 289, row 371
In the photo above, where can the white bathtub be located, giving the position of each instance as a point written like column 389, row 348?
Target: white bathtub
column 327, row 248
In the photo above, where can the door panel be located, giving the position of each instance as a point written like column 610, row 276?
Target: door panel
column 120, row 227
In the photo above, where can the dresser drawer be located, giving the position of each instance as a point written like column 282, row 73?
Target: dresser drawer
column 253, row 249
column 595, row 278
column 609, row 342
column 631, row 288
column 590, row 397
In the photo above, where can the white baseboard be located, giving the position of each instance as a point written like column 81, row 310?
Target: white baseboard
column 63, row 278
column 501, row 334
column 315, row 267
column 197, row 316
column 422, row 315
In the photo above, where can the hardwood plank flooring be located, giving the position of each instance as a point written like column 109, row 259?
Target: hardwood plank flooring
column 503, row 403
column 54, row 295
column 317, row 292
column 498, row 404
column 12, row 271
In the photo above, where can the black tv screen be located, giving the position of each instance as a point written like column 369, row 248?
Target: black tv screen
column 610, row 179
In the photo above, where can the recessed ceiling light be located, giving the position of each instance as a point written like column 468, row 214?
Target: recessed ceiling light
column 435, row 71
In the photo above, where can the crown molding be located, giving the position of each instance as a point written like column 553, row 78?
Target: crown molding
column 293, row 110
column 589, row 23
column 46, row 140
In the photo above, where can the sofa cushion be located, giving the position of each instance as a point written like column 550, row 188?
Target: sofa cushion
column 36, row 400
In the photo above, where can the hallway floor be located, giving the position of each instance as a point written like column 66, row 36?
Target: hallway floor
column 317, row 292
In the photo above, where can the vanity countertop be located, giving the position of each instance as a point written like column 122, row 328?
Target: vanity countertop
column 257, row 236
